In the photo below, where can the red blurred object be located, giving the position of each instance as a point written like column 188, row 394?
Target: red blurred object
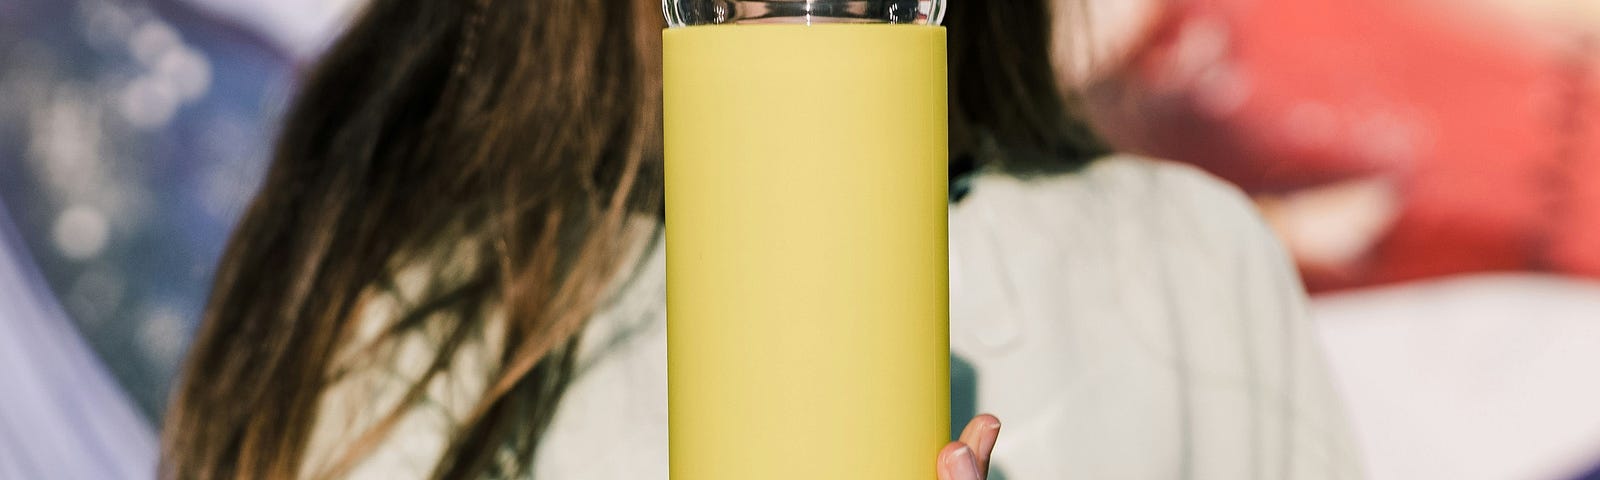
column 1490, row 129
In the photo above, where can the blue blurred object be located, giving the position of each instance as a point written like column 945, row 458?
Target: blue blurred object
column 64, row 416
column 132, row 133
column 1592, row 475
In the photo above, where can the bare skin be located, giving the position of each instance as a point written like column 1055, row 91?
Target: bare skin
column 967, row 458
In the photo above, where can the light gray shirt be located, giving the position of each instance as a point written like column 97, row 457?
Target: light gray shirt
column 1134, row 320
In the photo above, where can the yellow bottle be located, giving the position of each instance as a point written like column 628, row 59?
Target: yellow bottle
column 806, row 179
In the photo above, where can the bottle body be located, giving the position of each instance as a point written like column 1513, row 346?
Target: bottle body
column 807, row 291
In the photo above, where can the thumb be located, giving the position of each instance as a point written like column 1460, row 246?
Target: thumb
column 957, row 461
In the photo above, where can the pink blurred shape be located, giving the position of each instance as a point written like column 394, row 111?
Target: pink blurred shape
column 1487, row 127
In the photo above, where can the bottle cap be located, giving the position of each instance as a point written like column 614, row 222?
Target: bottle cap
column 683, row 13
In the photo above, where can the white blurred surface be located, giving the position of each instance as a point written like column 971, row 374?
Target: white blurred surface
column 62, row 414
column 1485, row 377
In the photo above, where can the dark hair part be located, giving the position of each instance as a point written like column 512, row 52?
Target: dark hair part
column 529, row 129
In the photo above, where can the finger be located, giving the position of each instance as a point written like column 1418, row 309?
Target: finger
column 969, row 434
column 957, row 462
column 981, row 434
column 981, row 426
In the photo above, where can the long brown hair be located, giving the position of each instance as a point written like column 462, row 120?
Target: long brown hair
column 529, row 129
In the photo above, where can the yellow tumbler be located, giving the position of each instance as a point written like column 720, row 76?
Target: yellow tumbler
column 807, row 276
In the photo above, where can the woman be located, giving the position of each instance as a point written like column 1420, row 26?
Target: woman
column 455, row 264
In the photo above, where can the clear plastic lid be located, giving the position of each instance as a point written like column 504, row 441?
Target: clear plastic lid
column 683, row 13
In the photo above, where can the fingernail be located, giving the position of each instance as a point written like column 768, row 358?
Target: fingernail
column 963, row 465
column 987, row 442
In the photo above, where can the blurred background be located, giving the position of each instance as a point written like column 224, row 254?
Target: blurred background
column 1433, row 165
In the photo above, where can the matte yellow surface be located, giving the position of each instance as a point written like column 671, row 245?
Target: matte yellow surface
column 807, row 325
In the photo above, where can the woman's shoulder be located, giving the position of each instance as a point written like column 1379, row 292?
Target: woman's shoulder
column 1101, row 280
column 1120, row 192
column 1121, row 175
column 1147, row 172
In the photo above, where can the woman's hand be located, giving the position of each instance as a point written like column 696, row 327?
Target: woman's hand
column 968, row 457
